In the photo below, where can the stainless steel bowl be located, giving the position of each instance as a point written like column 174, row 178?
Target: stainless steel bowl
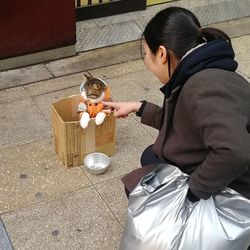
column 96, row 163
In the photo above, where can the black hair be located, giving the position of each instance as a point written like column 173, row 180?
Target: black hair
column 178, row 30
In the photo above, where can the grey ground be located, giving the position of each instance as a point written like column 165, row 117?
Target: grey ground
column 43, row 205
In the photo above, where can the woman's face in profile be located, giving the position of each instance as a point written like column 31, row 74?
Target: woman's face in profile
column 156, row 63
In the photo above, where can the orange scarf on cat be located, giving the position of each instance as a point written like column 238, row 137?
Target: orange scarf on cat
column 94, row 108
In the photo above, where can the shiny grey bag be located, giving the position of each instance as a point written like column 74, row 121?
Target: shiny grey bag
column 160, row 217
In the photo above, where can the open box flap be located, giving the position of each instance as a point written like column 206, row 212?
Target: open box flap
column 67, row 108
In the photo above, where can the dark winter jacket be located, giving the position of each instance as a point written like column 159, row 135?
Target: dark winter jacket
column 204, row 124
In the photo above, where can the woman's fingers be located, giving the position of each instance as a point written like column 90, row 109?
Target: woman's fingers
column 111, row 104
column 121, row 109
column 116, row 107
column 119, row 114
column 116, row 113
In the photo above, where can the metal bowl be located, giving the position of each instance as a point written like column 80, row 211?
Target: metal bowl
column 96, row 163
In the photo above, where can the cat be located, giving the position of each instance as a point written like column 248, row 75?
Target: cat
column 93, row 92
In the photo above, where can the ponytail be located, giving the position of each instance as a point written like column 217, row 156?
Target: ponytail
column 210, row 34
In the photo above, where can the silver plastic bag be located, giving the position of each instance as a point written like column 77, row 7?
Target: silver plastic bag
column 160, row 217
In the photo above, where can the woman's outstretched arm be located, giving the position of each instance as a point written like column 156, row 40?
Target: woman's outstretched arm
column 122, row 109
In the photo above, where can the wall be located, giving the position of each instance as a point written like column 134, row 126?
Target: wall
column 31, row 26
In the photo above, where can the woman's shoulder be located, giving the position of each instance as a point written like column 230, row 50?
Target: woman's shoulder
column 217, row 79
column 216, row 87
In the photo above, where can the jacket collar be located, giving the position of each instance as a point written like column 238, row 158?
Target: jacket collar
column 217, row 54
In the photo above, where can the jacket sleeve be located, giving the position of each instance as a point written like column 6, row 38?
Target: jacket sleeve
column 219, row 115
column 151, row 115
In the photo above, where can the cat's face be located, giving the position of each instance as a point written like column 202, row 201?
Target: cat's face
column 93, row 88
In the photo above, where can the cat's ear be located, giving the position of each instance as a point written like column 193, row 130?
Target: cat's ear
column 88, row 76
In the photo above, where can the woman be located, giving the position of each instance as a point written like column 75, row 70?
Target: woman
column 204, row 124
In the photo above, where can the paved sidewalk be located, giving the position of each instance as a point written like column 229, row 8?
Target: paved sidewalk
column 43, row 205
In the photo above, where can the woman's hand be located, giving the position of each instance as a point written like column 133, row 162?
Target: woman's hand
column 122, row 109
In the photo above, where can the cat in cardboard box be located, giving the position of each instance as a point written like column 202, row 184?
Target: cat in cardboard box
column 93, row 92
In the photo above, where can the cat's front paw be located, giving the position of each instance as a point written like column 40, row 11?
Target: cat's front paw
column 100, row 118
column 84, row 122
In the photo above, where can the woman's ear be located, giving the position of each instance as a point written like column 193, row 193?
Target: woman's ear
column 162, row 54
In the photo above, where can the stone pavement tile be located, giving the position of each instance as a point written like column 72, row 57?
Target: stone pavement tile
column 22, row 122
column 96, row 59
column 112, row 192
column 240, row 47
column 12, row 94
column 5, row 243
column 142, row 21
column 31, row 173
column 44, row 101
column 234, row 28
column 17, row 77
column 107, row 35
column 219, row 11
column 136, row 86
column 68, row 81
column 118, row 69
column 152, row 131
column 79, row 220
column 85, row 24
column 244, row 69
column 242, row 55
column 54, row 84
column 131, row 140
column 125, row 17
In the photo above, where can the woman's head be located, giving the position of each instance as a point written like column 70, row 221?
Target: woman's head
column 176, row 30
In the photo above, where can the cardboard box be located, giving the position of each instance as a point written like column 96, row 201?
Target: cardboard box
column 72, row 142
